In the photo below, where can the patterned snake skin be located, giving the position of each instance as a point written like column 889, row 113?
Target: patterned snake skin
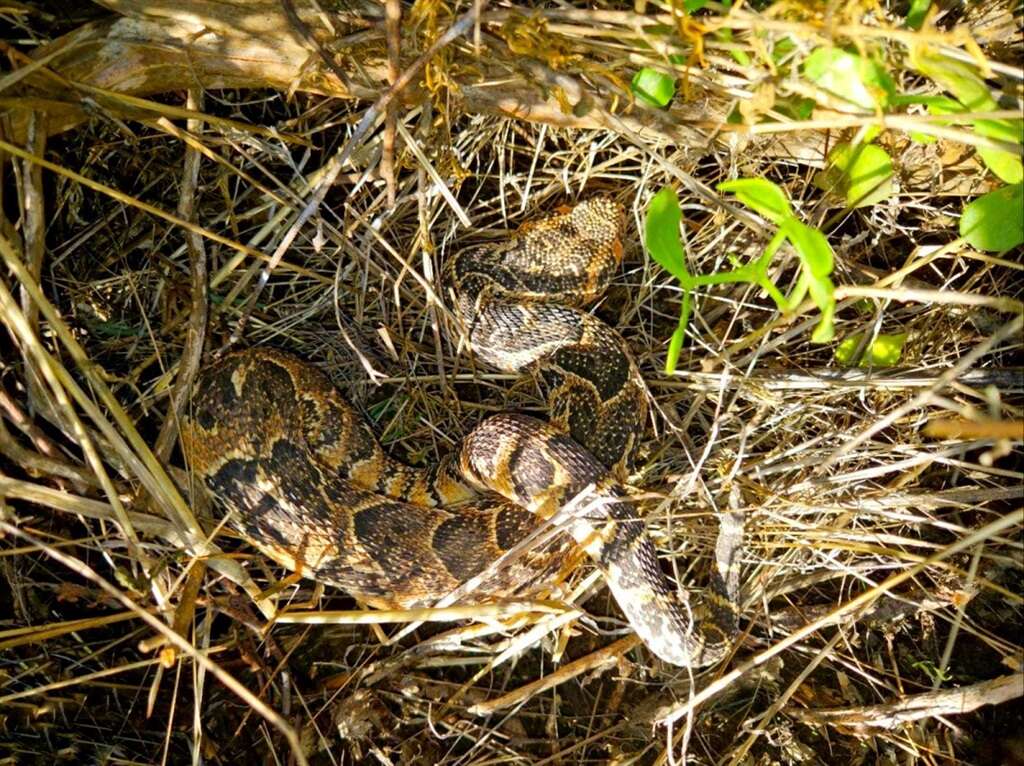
column 304, row 480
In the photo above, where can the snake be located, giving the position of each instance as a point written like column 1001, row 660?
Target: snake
column 301, row 476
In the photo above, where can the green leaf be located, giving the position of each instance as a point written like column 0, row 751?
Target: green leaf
column 1007, row 167
column 871, row 132
column 823, row 294
column 1003, row 164
column 661, row 234
column 783, row 48
column 817, row 259
column 844, row 352
column 862, row 175
column 883, row 351
column 661, row 237
column 812, row 247
column 972, row 95
column 761, row 196
column 918, row 10
column 653, row 87
column 960, row 79
column 935, row 104
column 886, row 350
column 995, row 221
column 1011, row 131
column 855, row 79
column 739, row 56
column 795, row 107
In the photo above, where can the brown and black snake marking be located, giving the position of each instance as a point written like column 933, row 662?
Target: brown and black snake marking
column 303, row 478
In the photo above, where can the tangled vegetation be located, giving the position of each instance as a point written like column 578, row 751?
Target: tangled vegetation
column 822, row 286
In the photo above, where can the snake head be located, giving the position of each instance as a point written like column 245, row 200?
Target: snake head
column 597, row 224
column 601, row 220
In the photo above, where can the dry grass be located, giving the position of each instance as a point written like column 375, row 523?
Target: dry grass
column 882, row 564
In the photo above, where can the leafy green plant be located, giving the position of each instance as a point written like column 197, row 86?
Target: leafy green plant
column 859, row 173
column 883, row 351
column 653, row 87
column 661, row 237
column 971, row 94
column 861, row 82
column 995, row 221
column 657, row 88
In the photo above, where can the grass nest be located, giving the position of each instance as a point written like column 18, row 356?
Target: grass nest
column 162, row 163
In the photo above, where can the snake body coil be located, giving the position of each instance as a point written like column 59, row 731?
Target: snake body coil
column 303, row 478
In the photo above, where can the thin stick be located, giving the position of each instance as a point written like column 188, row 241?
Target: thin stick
column 609, row 655
column 917, row 706
column 195, row 333
column 392, row 27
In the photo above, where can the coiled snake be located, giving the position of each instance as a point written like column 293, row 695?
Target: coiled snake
column 303, row 478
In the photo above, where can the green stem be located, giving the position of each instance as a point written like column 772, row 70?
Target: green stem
column 742, row 274
column 775, row 294
column 755, row 273
column 676, row 344
column 761, row 264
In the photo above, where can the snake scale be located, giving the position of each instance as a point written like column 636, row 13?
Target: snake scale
column 303, row 478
